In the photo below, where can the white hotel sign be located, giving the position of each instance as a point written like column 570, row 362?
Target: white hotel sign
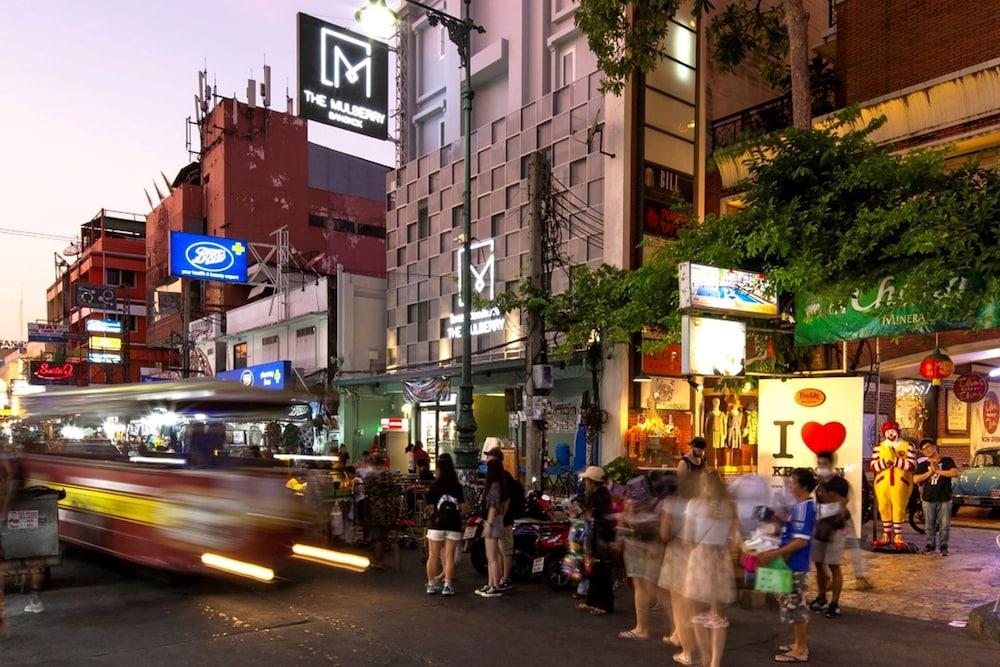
column 483, row 269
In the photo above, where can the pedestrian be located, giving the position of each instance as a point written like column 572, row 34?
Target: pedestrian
column 419, row 454
column 673, row 571
column 643, row 555
column 446, row 498
column 693, row 461
column 497, row 500
column 424, row 473
column 382, row 496
column 411, row 465
column 355, row 516
column 712, row 529
column 365, row 468
column 796, row 541
column 343, row 455
column 830, row 536
column 935, row 475
column 515, row 510
column 597, row 510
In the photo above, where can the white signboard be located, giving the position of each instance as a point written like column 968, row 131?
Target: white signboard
column 483, row 270
column 712, row 347
column 726, row 291
column 800, row 418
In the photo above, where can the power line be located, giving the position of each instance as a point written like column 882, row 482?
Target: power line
column 35, row 235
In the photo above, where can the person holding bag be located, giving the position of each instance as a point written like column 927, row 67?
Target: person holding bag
column 601, row 590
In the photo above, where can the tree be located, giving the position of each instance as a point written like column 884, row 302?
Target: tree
column 827, row 211
column 631, row 36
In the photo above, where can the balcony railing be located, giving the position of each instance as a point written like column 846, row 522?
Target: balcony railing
column 761, row 119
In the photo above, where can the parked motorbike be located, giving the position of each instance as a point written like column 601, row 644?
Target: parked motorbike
column 915, row 511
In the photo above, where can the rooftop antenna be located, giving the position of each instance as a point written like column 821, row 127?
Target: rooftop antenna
column 265, row 88
column 289, row 105
column 251, row 93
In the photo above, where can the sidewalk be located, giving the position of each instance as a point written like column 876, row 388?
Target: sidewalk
column 929, row 588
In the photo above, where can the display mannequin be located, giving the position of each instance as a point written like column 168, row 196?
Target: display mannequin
column 734, row 430
column 715, row 428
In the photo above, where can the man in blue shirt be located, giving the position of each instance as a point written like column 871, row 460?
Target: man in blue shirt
column 795, row 547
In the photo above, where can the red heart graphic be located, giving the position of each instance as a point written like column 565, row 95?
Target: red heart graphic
column 823, row 437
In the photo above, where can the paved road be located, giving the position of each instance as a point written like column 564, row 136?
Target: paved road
column 101, row 612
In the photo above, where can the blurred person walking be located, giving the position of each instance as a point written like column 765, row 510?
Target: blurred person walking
column 497, row 501
column 796, row 543
column 644, row 554
column 597, row 510
column 382, row 496
column 830, row 537
column 446, row 497
column 712, row 529
column 673, row 571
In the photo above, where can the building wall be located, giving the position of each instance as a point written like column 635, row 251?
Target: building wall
column 360, row 323
column 893, row 44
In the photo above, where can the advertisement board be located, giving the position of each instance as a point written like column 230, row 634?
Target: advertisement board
column 49, row 373
column 715, row 348
column 794, row 426
column 104, row 343
column 712, row 289
column 343, row 78
column 104, row 357
column 104, row 297
column 273, row 376
column 104, row 326
column 203, row 257
column 42, row 332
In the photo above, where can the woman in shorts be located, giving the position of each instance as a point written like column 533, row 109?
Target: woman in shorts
column 446, row 498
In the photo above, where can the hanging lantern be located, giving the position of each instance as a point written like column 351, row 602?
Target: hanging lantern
column 936, row 367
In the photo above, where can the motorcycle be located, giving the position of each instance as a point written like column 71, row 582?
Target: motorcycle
column 915, row 511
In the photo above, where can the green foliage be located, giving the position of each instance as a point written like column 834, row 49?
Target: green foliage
column 827, row 212
column 747, row 30
column 620, row 470
column 624, row 43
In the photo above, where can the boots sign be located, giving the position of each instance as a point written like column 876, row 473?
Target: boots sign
column 800, row 418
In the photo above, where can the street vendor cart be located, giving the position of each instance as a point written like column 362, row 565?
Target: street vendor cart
column 29, row 539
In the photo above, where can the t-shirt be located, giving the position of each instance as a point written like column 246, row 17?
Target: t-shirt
column 446, row 520
column 800, row 526
column 937, row 489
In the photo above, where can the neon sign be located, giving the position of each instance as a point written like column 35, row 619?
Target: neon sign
column 486, row 320
column 46, row 372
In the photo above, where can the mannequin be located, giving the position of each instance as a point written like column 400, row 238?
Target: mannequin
column 715, row 427
column 734, row 430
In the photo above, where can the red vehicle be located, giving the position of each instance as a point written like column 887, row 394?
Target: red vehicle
column 189, row 504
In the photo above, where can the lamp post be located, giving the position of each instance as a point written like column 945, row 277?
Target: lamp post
column 377, row 18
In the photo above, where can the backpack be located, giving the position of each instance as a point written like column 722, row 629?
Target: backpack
column 517, row 506
column 447, row 515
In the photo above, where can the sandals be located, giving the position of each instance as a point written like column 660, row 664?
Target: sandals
column 671, row 641
column 788, row 657
column 631, row 634
column 597, row 611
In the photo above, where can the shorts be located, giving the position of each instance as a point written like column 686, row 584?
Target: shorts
column 434, row 535
column 792, row 607
column 507, row 541
column 832, row 552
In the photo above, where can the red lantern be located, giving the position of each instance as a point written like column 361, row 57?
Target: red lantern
column 936, row 367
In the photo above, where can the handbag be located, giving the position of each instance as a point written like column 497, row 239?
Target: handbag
column 775, row 577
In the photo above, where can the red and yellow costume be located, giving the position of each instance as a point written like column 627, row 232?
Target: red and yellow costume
column 893, row 465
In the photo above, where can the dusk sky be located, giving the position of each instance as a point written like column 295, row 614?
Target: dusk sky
column 93, row 106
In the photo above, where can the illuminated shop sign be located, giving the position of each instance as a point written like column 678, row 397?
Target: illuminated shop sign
column 710, row 288
column 104, row 357
column 105, row 343
column 47, row 372
column 343, row 78
column 483, row 270
column 104, row 326
column 712, row 347
column 265, row 376
column 208, row 258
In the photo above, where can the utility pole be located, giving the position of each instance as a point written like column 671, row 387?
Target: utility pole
column 185, row 326
column 535, row 347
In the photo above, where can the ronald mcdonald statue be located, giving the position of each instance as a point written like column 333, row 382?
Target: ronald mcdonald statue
column 893, row 465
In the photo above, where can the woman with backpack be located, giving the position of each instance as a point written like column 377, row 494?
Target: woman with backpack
column 497, row 502
column 446, row 498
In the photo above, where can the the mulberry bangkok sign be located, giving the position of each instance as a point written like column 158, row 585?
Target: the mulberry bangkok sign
column 483, row 269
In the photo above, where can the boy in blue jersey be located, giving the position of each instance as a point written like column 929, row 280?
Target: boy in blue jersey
column 795, row 547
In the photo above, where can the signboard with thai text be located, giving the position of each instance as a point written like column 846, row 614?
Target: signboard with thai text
column 42, row 332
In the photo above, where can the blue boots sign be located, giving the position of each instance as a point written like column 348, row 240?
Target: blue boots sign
column 272, row 376
column 202, row 257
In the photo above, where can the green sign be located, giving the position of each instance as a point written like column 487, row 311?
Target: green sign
column 874, row 313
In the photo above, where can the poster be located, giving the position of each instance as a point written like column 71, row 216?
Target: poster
column 793, row 431
column 668, row 393
column 957, row 413
column 984, row 420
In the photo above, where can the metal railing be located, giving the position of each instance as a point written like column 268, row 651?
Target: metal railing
column 763, row 118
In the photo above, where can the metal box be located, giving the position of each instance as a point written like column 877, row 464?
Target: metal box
column 30, row 528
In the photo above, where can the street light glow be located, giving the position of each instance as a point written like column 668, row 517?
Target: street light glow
column 376, row 19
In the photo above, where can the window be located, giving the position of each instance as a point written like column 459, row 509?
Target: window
column 441, row 134
column 411, row 313
column 269, row 348
column 240, row 355
column 423, row 220
column 456, row 217
column 373, row 231
column 423, row 315
column 120, row 277
column 567, row 68
column 401, row 256
column 442, row 41
column 317, row 221
column 443, row 243
column 444, row 324
column 496, row 224
column 133, row 321
column 305, row 347
column 343, row 226
column 411, row 232
column 305, row 331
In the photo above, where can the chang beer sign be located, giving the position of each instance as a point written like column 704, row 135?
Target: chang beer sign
column 880, row 311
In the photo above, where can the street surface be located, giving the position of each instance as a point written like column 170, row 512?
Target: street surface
column 100, row 611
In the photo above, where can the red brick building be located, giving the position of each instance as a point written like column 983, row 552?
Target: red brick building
column 257, row 173
column 112, row 252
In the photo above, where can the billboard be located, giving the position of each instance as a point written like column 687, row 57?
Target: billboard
column 104, row 326
column 104, row 297
column 716, row 348
column 49, row 372
column 104, row 343
column 343, row 78
column 800, row 418
column 104, row 357
column 272, row 376
column 41, row 332
column 201, row 257
column 712, row 289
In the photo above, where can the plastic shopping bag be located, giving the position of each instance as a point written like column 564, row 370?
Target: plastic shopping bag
column 775, row 577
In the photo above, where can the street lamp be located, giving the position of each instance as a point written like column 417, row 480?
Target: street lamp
column 376, row 18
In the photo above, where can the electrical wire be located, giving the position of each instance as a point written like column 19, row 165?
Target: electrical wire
column 36, row 235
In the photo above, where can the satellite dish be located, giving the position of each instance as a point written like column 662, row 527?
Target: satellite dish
column 72, row 250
